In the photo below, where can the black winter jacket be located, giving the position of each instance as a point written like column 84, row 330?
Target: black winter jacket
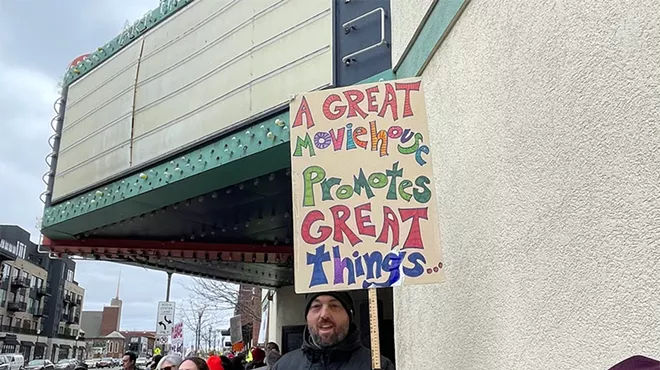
column 349, row 354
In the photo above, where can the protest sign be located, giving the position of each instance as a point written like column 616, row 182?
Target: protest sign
column 364, row 201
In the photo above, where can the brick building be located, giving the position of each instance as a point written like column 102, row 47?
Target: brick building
column 249, row 307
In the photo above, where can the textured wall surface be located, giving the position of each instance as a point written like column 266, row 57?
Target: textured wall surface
column 545, row 135
column 406, row 17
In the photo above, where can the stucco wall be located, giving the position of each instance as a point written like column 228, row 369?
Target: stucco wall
column 545, row 136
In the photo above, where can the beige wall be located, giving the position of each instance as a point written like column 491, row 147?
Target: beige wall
column 31, row 268
column 212, row 66
column 287, row 308
column 75, row 288
column 544, row 128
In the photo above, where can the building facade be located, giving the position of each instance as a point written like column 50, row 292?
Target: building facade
column 102, row 329
column 248, row 306
column 140, row 342
column 40, row 302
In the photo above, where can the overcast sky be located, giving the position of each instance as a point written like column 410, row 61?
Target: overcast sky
column 38, row 39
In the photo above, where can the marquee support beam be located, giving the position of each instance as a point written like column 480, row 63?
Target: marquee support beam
column 126, row 248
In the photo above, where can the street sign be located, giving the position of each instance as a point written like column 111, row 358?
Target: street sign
column 235, row 329
column 165, row 318
column 163, row 339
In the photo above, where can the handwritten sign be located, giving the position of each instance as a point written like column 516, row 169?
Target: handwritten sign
column 363, row 192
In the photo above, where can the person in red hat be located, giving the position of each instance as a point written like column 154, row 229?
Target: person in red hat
column 214, row 362
column 258, row 356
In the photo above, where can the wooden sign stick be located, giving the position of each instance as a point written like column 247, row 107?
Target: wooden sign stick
column 373, row 328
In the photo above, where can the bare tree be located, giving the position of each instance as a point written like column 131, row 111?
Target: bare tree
column 202, row 317
column 224, row 296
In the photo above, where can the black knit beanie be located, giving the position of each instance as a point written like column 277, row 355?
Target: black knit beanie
column 343, row 297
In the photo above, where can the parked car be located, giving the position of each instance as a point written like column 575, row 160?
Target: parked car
column 116, row 361
column 91, row 363
column 4, row 363
column 16, row 361
column 141, row 362
column 66, row 364
column 40, row 365
column 105, row 362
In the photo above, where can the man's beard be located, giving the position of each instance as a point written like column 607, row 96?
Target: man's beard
column 329, row 340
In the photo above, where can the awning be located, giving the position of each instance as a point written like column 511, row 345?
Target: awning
column 27, row 344
column 65, row 346
column 10, row 339
column 41, row 344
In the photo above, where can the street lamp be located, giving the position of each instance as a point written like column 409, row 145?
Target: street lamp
column 36, row 344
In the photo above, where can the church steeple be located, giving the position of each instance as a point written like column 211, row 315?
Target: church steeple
column 118, row 284
column 116, row 302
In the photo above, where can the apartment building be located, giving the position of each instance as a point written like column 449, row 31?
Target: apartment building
column 40, row 303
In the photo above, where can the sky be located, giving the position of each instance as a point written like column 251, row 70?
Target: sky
column 38, row 40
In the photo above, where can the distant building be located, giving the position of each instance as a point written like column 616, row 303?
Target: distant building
column 249, row 307
column 40, row 302
column 140, row 342
column 102, row 329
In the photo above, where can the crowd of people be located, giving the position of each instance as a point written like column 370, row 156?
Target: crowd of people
column 331, row 340
column 258, row 359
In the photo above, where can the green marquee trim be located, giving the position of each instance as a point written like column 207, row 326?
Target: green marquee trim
column 131, row 33
column 183, row 176
column 432, row 33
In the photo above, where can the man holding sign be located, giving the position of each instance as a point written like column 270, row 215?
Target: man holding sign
column 364, row 211
column 331, row 339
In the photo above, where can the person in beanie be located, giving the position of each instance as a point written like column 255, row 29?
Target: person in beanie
column 331, row 339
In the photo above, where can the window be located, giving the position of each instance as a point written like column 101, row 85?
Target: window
column 18, row 322
column 20, row 250
column 69, row 275
column 33, row 282
column 6, row 270
column 8, row 348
